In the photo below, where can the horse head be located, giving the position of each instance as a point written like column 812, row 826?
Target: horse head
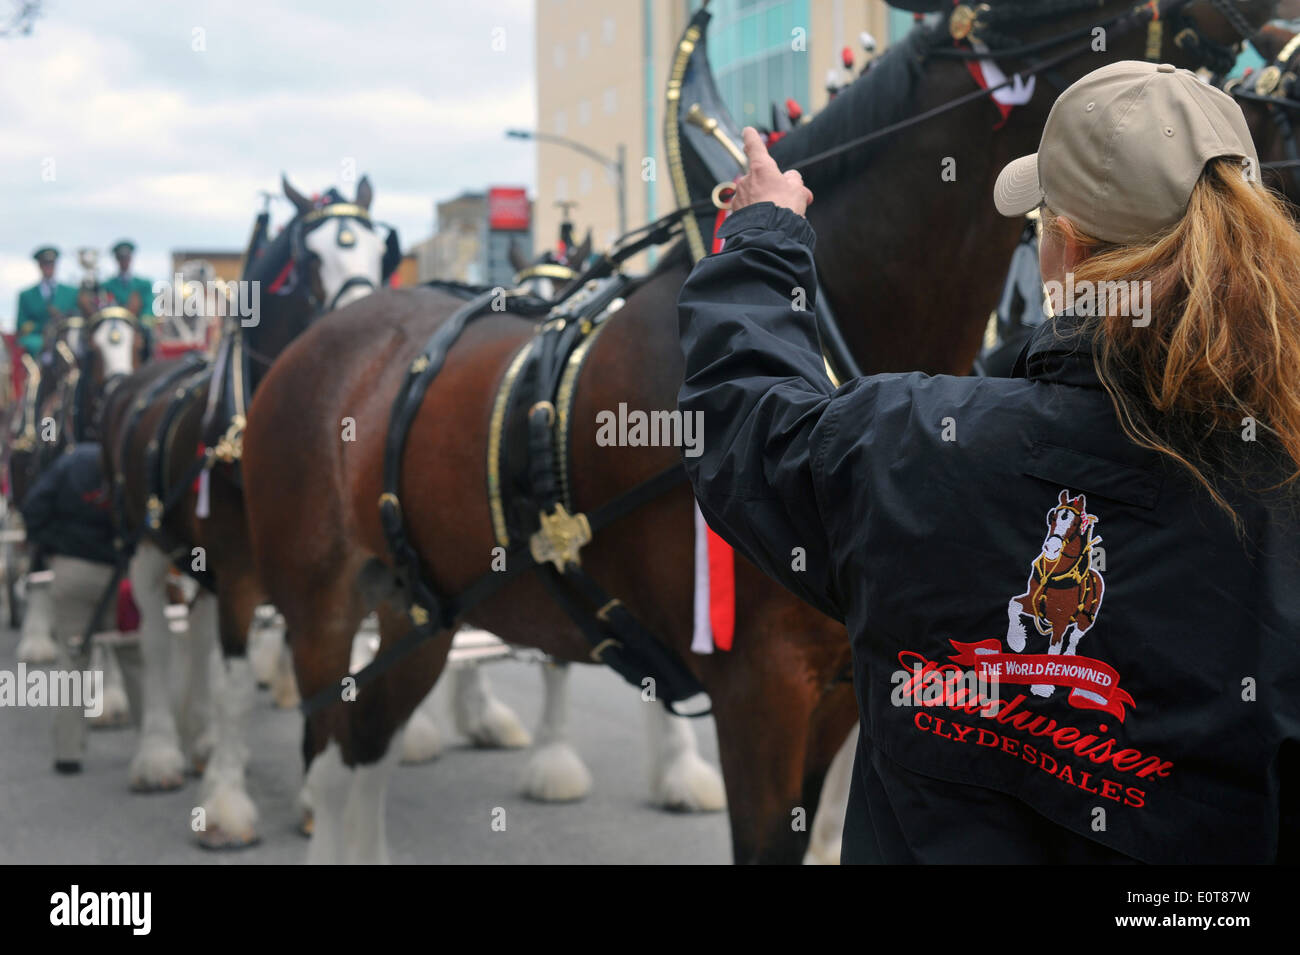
column 1067, row 523
column 338, row 245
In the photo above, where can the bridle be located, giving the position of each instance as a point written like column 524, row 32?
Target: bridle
column 976, row 25
column 341, row 211
column 1275, row 87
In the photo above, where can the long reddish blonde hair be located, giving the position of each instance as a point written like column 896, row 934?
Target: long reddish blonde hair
column 1223, row 343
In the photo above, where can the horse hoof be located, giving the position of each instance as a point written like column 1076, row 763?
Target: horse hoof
column 111, row 720
column 157, row 784
column 307, row 825
column 220, row 839
column 499, row 728
column 423, row 740
column 37, row 649
column 556, row 773
column 691, row 784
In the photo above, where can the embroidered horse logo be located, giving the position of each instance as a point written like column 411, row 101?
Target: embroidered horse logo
column 1065, row 590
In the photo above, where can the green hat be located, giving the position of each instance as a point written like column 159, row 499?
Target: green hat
column 46, row 253
column 124, row 245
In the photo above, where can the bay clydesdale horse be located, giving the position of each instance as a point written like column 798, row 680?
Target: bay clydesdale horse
column 884, row 217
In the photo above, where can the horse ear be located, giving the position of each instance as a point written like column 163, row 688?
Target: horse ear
column 301, row 202
column 582, row 252
column 1062, row 499
column 364, row 193
column 517, row 260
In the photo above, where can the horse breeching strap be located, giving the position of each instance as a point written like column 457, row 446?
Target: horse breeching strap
column 541, row 376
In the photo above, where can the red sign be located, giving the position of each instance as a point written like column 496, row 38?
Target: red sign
column 508, row 209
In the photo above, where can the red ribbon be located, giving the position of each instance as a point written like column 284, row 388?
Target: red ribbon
column 1050, row 668
column 722, row 559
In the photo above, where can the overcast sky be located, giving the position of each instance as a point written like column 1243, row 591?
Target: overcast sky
column 159, row 120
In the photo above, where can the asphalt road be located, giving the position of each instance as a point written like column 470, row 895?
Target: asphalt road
column 438, row 812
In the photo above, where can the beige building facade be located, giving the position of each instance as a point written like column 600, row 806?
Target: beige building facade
column 602, row 66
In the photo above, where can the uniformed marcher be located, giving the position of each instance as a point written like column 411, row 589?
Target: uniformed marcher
column 67, row 513
column 120, row 287
column 48, row 298
column 1026, row 692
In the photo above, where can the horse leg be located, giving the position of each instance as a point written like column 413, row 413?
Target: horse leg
column 195, row 704
column 116, row 711
column 480, row 716
column 376, row 717
column 37, row 644
column 426, row 735
column 158, row 763
column 284, row 688
column 680, row 779
column 1054, row 646
column 764, row 750
column 230, row 815
column 828, row 825
column 1016, row 634
column 265, row 642
column 555, row 772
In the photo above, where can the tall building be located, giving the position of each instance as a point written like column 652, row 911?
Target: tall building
column 601, row 71
column 474, row 235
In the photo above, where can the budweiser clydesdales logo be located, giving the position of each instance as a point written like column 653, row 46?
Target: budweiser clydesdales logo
column 1045, row 626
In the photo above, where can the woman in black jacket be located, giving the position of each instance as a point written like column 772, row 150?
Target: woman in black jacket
column 1073, row 595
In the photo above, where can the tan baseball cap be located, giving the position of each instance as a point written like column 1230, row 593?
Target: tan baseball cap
column 1122, row 149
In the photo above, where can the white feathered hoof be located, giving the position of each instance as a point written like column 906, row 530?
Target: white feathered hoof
column 157, row 767
column 201, row 752
column 37, row 648
column 284, row 689
column 556, row 773
column 690, row 784
column 230, row 820
column 117, row 712
column 821, row 854
column 423, row 740
column 497, row 727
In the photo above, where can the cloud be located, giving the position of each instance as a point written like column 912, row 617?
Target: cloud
column 163, row 122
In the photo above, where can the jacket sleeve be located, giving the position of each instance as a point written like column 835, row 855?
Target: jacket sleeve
column 755, row 377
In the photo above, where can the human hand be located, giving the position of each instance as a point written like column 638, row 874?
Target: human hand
column 765, row 182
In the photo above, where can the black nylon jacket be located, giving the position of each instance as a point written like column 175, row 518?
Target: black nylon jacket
column 67, row 509
column 1147, row 700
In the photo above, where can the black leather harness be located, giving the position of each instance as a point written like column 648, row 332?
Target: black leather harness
column 530, row 491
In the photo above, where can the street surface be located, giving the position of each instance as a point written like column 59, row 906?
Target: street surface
column 438, row 812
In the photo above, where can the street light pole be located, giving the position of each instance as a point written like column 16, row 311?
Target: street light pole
column 616, row 167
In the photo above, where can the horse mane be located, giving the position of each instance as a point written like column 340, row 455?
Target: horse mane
column 880, row 97
column 269, row 262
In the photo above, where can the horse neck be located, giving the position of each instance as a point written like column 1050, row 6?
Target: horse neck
column 282, row 318
column 911, row 264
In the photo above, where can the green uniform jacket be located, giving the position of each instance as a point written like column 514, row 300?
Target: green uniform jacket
column 34, row 312
column 121, row 290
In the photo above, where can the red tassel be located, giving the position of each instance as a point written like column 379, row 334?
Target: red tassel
column 722, row 560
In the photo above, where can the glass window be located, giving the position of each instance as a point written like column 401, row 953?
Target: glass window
column 584, row 113
column 749, row 34
column 561, row 122
column 561, row 188
column 607, row 31
column 584, row 182
column 611, row 100
column 557, row 56
column 584, row 45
